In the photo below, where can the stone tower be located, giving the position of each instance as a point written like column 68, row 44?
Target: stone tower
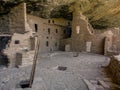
column 81, row 31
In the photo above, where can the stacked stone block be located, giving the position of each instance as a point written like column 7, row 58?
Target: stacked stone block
column 114, row 68
column 17, row 19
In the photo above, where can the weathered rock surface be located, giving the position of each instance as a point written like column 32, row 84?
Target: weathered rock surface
column 101, row 13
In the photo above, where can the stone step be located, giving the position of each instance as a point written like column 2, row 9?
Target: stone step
column 94, row 82
column 105, row 85
column 99, row 87
column 89, row 85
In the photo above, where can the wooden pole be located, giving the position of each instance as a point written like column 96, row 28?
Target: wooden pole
column 34, row 63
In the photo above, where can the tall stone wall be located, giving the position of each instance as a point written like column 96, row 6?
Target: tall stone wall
column 58, row 21
column 17, row 19
column 50, row 32
column 81, row 32
column 85, row 39
column 4, row 24
column 97, row 44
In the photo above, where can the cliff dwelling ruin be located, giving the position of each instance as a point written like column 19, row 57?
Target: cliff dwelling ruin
column 74, row 41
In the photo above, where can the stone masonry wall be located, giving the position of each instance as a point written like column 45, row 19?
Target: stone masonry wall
column 65, row 42
column 20, row 43
column 85, row 39
column 49, row 30
column 116, row 43
column 81, row 32
column 97, row 44
column 114, row 68
column 17, row 19
column 4, row 24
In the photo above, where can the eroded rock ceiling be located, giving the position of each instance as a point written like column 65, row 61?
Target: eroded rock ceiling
column 101, row 13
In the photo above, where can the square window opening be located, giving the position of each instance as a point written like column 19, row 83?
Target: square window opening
column 17, row 42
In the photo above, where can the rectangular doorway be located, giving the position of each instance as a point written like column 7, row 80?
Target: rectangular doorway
column 88, row 46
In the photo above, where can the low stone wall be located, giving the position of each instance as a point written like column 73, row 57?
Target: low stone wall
column 20, row 44
column 114, row 68
column 65, row 42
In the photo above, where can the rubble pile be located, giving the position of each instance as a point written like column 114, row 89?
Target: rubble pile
column 114, row 68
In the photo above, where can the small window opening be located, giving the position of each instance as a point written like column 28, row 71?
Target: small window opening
column 56, row 30
column 48, row 21
column 48, row 30
column 56, row 44
column 17, row 41
column 47, row 43
column 53, row 21
column 36, row 27
column 64, row 31
column 68, row 23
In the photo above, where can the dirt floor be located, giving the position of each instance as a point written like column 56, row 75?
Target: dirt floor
column 61, row 71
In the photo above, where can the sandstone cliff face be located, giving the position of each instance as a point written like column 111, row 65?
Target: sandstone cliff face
column 101, row 13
